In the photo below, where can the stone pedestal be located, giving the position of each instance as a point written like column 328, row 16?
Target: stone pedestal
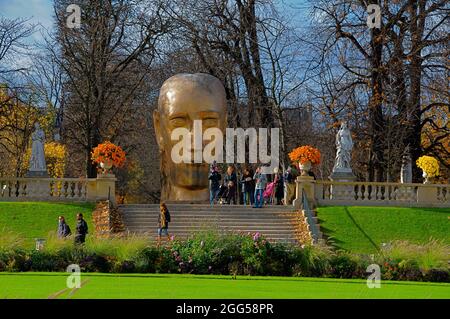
column 40, row 174
column 305, row 184
column 342, row 192
column 103, row 188
column 342, row 176
column 426, row 195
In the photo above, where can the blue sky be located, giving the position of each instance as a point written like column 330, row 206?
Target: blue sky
column 40, row 11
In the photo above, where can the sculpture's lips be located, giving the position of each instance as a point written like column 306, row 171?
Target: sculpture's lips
column 194, row 164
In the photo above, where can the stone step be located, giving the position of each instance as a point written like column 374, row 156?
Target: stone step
column 175, row 217
column 204, row 206
column 276, row 223
column 224, row 215
column 153, row 230
column 212, row 211
column 211, row 225
column 283, row 232
column 190, row 235
column 212, row 222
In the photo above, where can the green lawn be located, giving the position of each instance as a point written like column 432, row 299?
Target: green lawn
column 34, row 219
column 44, row 285
column 363, row 229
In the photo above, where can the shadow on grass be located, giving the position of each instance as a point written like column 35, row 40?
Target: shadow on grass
column 361, row 230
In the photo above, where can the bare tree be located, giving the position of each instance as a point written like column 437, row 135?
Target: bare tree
column 104, row 64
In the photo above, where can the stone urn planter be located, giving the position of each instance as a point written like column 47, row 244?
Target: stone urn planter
column 106, row 167
column 305, row 168
column 426, row 178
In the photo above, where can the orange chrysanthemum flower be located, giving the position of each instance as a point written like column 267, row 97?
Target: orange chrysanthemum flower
column 304, row 154
column 107, row 152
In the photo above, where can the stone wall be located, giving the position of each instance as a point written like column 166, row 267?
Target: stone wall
column 107, row 220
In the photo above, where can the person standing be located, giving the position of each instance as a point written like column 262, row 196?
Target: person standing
column 289, row 178
column 279, row 186
column 248, row 186
column 214, row 178
column 231, row 183
column 63, row 229
column 81, row 230
column 163, row 222
column 260, row 185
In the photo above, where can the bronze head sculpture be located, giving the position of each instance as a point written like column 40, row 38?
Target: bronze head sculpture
column 183, row 99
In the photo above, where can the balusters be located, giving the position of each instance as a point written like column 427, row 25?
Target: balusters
column 65, row 187
column 443, row 194
column 366, row 193
column 327, row 191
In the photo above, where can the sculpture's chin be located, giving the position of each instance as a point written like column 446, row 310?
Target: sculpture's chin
column 190, row 176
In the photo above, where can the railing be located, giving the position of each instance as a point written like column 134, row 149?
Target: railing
column 373, row 193
column 56, row 189
column 312, row 226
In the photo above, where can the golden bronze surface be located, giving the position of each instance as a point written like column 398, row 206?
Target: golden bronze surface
column 184, row 98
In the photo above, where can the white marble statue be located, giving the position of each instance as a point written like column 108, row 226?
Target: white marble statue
column 37, row 165
column 406, row 169
column 344, row 146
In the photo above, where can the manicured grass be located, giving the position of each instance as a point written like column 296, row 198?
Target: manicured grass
column 44, row 285
column 35, row 220
column 364, row 229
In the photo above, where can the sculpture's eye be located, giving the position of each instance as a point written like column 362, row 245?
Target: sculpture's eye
column 210, row 122
column 178, row 122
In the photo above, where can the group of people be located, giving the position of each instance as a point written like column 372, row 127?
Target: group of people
column 252, row 188
column 81, row 229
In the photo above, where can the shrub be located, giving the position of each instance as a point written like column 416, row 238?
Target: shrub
column 43, row 261
column 433, row 254
column 227, row 254
column 343, row 266
column 437, row 275
column 145, row 260
column 17, row 260
column 409, row 270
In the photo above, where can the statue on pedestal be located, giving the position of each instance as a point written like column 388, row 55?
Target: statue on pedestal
column 344, row 145
column 37, row 166
column 406, row 169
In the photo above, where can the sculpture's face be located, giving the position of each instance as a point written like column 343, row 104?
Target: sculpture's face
column 183, row 99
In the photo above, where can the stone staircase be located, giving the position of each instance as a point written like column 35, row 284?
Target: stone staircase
column 276, row 223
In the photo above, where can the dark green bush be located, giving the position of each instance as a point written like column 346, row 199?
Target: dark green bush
column 409, row 270
column 437, row 275
column 343, row 266
column 145, row 260
column 44, row 261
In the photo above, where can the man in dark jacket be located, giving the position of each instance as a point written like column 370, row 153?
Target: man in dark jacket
column 289, row 178
column 214, row 178
column 81, row 230
column 63, row 228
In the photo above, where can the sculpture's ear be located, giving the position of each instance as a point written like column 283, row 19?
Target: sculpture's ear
column 157, row 126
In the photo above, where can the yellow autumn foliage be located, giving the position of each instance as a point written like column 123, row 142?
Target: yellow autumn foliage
column 429, row 165
column 55, row 158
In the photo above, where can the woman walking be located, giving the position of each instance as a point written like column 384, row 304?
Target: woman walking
column 163, row 222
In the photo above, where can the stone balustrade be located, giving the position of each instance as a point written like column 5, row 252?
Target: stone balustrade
column 322, row 192
column 58, row 189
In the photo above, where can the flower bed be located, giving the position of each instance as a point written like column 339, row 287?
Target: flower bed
column 238, row 254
